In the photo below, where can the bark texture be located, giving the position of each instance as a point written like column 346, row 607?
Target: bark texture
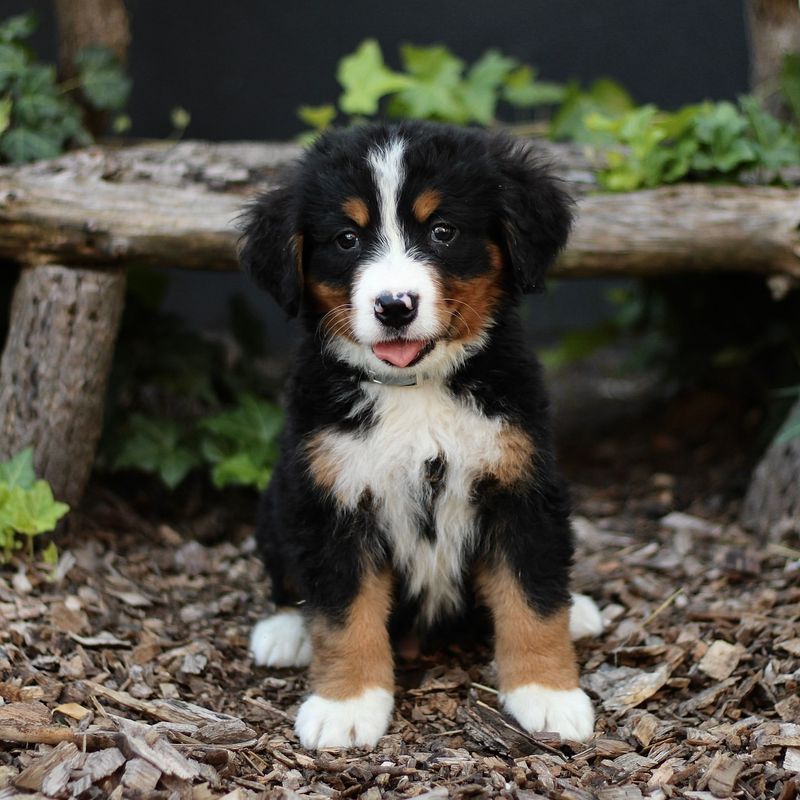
column 774, row 31
column 54, row 370
column 772, row 503
column 177, row 206
column 82, row 23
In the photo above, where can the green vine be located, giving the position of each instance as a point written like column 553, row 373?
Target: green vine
column 39, row 117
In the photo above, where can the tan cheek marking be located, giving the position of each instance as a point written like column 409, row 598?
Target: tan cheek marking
column 517, row 452
column 469, row 304
column 334, row 303
column 495, row 256
column 529, row 648
column 425, row 204
column 356, row 655
column 357, row 210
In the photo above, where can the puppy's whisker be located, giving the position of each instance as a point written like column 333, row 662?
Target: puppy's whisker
column 461, row 302
column 331, row 320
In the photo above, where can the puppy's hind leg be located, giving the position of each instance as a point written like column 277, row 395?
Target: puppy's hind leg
column 584, row 617
column 281, row 640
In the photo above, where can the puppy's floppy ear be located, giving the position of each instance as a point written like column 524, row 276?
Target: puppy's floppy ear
column 535, row 213
column 271, row 247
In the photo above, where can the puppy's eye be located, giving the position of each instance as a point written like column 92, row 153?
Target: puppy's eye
column 347, row 240
column 443, row 233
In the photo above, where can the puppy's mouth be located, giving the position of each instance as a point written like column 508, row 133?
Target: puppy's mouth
column 403, row 352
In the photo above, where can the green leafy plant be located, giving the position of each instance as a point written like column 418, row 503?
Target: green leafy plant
column 603, row 96
column 194, row 406
column 434, row 84
column 649, row 147
column 241, row 444
column 158, row 445
column 27, row 506
column 238, row 446
column 38, row 116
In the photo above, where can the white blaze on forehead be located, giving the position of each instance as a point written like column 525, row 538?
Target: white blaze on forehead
column 393, row 267
column 389, row 172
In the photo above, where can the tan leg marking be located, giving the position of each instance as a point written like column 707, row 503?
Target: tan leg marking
column 357, row 210
column 356, row 655
column 426, row 203
column 529, row 648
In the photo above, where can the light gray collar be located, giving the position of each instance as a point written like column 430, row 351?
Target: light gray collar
column 414, row 379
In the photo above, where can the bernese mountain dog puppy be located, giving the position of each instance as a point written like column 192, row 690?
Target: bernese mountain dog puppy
column 416, row 472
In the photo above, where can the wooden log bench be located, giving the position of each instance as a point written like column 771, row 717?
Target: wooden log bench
column 75, row 223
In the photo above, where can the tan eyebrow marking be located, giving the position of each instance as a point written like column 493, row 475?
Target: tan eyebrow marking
column 357, row 210
column 425, row 204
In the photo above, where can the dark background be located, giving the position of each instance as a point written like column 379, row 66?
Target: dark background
column 242, row 68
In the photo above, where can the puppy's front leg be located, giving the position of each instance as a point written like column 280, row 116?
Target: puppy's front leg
column 536, row 667
column 352, row 675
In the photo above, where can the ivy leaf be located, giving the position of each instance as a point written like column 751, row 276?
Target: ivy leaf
column 156, row 446
column 102, row 79
column 318, row 117
column 13, row 62
column 253, row 420
column 18, row 471
column 25, row 144
column 242, row 444
column 604, row 96
column 32, row 511
column 366, row 79
column 240, row 470
column 433, row 92
column 479, row 92
column 491, row 69
column 18, row 27
column 521, row 89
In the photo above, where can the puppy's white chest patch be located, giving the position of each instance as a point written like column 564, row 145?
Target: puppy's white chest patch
column 419, row 461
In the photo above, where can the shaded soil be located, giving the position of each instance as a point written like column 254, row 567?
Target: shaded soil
column 124, row 670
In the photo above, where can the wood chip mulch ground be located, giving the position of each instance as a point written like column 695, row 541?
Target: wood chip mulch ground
column 124, row 673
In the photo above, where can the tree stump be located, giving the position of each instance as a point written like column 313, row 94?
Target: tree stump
column 54, row 370
column 774, row 31
column 772, row 503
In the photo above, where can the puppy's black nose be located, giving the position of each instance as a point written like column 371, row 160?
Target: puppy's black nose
column 396, row 310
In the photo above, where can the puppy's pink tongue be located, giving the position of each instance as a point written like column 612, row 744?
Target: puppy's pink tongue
column 400, row 352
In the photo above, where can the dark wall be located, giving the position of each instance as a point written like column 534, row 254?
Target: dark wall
column 242, row 68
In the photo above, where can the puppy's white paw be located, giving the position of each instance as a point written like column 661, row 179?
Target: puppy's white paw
column 567, row 712
column 584, row 617
column 357, row 722
column 281, row 640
